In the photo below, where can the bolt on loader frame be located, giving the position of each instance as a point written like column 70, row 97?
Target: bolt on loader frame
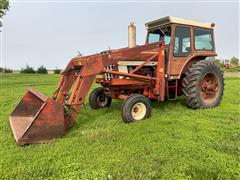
column 170, row 63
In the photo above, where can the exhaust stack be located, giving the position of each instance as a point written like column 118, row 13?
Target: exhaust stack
column 131, row 35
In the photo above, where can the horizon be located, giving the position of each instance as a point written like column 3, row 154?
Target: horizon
column 56, row 68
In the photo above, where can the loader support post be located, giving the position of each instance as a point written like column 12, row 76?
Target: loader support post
column 84, row 86
column 67, row 83
column 74, row 89
column 160, row 74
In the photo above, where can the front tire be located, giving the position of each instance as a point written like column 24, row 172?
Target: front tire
column 98, row 99
column 203, row 85
column 136, row 107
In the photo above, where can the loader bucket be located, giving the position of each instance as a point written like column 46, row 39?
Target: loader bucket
column 37, row 119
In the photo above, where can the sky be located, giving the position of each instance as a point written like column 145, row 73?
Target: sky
column 51, row 33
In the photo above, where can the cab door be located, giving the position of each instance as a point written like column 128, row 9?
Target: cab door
column 181, row 49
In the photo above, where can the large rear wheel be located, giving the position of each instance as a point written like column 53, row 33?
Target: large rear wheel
column 203, row 85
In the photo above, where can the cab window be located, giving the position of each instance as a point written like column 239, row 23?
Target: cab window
column 157, row 35
column 203, row 39
column 182, row 46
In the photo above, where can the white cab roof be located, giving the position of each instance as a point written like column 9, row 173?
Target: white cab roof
column 176, row 20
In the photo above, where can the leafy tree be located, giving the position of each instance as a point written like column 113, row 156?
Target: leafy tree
column 4, row 5
column 28, row 70
column 219, row 62
column 5, row 70
column 234, row 61
column 57, row 71
column 42, row 70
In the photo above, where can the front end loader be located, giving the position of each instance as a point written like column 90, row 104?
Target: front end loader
column 172, row 62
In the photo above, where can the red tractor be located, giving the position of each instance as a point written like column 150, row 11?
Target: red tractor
column 172, row 62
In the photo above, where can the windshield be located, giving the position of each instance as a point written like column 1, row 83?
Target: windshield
column 156, row 35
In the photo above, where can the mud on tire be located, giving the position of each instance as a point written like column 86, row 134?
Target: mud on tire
column 203, row 85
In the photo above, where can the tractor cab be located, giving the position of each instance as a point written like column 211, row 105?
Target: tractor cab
column 186, row 40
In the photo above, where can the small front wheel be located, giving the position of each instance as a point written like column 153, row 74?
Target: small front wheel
column 98, row 99
column 136, row 107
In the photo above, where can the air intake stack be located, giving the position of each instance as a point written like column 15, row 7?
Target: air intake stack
column 131, row 35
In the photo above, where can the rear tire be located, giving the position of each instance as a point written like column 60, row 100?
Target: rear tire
column 203, row 85
column 98, row 99
column 136, row 107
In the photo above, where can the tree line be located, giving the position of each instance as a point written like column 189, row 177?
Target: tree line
column 30, row 70
column 43, row 70
column 233, row 61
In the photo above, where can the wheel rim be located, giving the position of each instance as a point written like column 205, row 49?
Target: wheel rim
column 138, row 111
column 102, row 100
column 209, row 88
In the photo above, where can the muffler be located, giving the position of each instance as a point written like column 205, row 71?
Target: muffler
column 37, row 119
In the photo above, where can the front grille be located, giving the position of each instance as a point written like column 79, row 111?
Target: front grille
column 108, row 76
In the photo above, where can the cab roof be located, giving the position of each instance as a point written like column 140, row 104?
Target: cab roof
column 175, row 20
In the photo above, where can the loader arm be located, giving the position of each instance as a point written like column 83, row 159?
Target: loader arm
column 75, row 82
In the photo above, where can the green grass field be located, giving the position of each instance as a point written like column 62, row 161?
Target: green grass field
column 237, row 69
column 175, row 143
